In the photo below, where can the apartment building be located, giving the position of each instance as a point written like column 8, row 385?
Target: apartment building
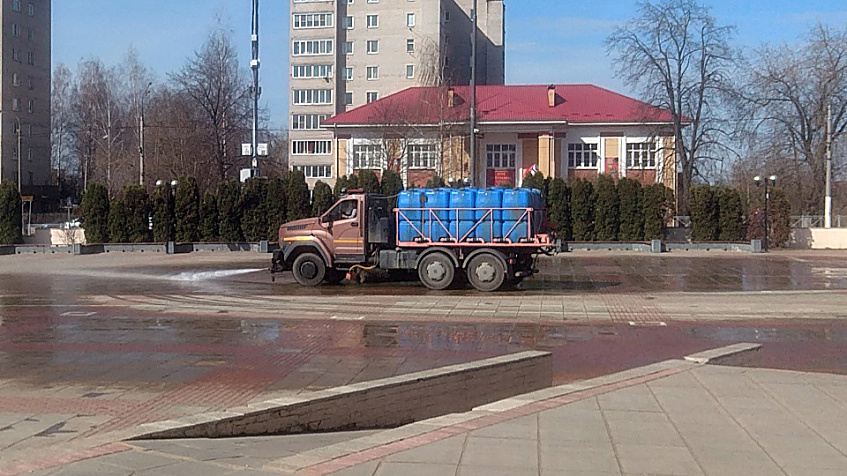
column 25, row 94
column 347, row 53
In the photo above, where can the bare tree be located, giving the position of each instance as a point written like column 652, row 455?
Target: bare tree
column 680, row 59
column 218, row 93
column 785, row 102
column 63, row 161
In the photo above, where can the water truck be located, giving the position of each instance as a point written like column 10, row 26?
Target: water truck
column 490, row 236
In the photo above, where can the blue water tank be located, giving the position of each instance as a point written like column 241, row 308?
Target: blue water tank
column 519, row 230
column 409, row 218
column 491, row 226
column 519, row 200
column 437, row 223
column 463, row 201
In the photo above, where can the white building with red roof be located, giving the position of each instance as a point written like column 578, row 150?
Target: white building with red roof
column 568, row 131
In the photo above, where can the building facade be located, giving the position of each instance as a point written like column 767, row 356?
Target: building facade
column 347, row 53
column 568, row 131
column 25, row 94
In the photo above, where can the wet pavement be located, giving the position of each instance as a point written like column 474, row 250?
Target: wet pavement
column 94, row 344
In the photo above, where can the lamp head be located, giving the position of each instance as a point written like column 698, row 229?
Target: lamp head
column 772, row 178
column 158, row 183
column 174, row 183
column 757, row 179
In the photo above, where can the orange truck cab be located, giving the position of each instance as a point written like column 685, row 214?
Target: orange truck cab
column 360, row 232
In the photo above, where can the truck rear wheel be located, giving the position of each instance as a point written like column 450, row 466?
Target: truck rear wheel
column 436, row 271
column 309, row 269
column 486, row 272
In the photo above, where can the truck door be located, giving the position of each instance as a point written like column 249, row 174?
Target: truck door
column 346, row 225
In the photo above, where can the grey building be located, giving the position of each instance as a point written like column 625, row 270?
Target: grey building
column 25, row 94
column 347, row 53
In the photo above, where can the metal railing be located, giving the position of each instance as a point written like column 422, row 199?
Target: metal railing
column 817, row 221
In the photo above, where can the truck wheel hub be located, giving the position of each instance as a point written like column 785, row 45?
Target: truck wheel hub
column 485, row 272
column 436, row 271
column 309, row 270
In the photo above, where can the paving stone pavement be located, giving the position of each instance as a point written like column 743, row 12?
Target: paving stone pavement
column 684, row 420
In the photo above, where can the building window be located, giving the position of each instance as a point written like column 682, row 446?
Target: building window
column 16, row 30
column 582, row 156
column 348, row 98
column 312, row 20
column 641, row 155
column 372, row 96
column 307, row 122
column 30, row 10
column 16, row 5
column 16, row 80
column 311, row 147
column 315, row 171
column 30, row 58
column 373, row 21
column 373, row 1
column 348, row 48
column 312, row 47
column 16, row 104
column 367, row 157
column 16, row 55
column 30, row 81
column 410, row 19
column 30, row 107
column 29, row 34
column 348, row 74
column 348, row 22
column 410, row 45
column 312, row 96
column 422, row 156
column 373, row 73
column 306, row 71
column 410, row 71
column 500, row 156
column 373, row 47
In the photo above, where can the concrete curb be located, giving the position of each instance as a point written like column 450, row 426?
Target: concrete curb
column 383, row 403
column 731, row 354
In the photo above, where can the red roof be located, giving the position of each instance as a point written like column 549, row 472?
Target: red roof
column 575, row 103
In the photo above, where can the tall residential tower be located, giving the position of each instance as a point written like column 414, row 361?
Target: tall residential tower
column 25, row 94
column 346, row 53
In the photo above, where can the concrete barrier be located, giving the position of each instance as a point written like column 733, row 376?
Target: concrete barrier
column 385, row 403
column 42, row 249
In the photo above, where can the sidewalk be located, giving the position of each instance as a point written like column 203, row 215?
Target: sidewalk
column 671, row 418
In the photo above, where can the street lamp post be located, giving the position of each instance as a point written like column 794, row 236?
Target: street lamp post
column 768, row 182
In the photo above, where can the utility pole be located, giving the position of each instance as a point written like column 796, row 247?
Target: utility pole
column 20, row 149
column 255, row 91
column 473, row 95
column 141, row 136
column 828, row 204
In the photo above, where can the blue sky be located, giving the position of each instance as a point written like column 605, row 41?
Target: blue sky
column 548, row 41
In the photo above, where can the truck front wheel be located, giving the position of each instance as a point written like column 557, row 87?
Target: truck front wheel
column 486, row 272
column 436, row 271
column 309, row 269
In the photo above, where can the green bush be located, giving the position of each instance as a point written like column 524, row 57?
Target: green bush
column 137, row 210
column 658, row 208
column 209, row 221
column 118, row 232
column 704, row 214
column 275, row 206
column 537, row 181
column 392, row 183
column 322, row 198
column 559, row 208
column 368, row 181
column 11, row 220
column 163, row 213
column 187, row 210
column 607, row 209
column 780, row 218
column 582, row 210
column 435, row 182
column 298, row 201
column 632, row 210
column 345, row 183
column 94, row 213
column 254, row 215
column 229, row 212
column 731, row 213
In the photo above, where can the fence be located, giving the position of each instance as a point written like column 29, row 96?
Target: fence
column 817, row 221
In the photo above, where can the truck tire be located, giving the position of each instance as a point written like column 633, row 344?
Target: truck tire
column 309, row 269
column 486, row 273
column 436, row 271
column 334, row 276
